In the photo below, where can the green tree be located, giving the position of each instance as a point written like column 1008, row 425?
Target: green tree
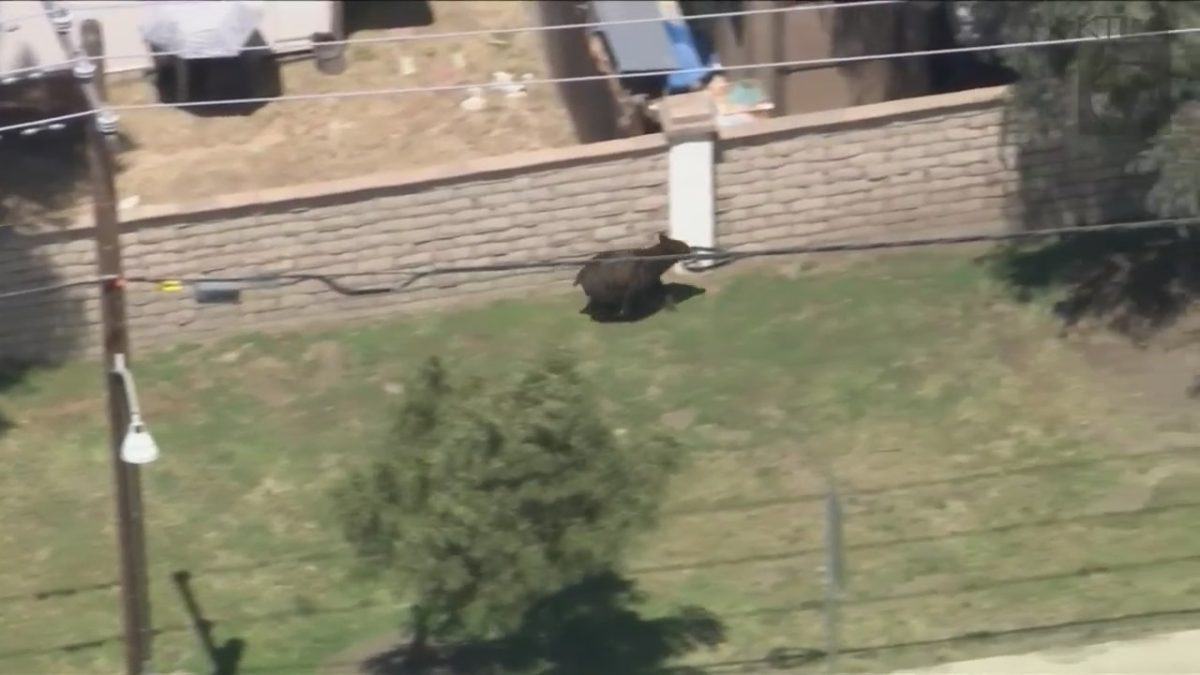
column 1144, row 88
column 493, row 495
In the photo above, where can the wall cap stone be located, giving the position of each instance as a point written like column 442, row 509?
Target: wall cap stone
column 865, row 113
column 278, row 198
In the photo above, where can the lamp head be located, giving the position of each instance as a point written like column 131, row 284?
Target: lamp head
column 139, row 446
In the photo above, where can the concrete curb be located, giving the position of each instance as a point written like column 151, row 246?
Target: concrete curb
column 1170, row 654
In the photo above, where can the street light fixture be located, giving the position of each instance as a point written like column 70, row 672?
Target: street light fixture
column 139, row 446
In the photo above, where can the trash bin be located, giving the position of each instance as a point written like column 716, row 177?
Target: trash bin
column 331, row 58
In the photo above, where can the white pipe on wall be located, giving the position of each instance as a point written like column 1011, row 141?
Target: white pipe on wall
column 691, row 204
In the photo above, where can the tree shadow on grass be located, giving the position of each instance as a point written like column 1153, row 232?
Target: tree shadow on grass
column 1135, row 283
column 40, row 329
column 591, row 628
column 40, row 178
column 10, row 375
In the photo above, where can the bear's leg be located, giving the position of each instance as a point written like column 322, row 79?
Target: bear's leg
column 628, row 304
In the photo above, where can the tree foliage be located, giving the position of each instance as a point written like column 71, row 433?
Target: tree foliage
column 493, row 494
column 1143, row 87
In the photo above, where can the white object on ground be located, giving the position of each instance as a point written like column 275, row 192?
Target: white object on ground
column 474, row 101
column 504, row 82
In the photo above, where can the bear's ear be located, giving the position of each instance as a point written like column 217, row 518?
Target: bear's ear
column 663, row 238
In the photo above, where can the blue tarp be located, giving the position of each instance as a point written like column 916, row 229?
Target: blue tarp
column 687, row 57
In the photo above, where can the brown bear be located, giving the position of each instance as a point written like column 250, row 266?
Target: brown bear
column 616, row 289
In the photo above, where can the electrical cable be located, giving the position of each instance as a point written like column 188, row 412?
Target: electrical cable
column 22, row 18
column 52, row 288
column 802, row 63
column 719, row 257
column 482, row 32
column 77, row 57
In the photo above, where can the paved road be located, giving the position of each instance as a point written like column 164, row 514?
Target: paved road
column 1171, row 654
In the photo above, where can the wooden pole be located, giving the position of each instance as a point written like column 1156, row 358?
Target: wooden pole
column 127, row 479
column 131, row 543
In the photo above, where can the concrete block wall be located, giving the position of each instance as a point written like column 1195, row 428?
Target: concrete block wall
column 478, row 214
column 910, row 168
column 953, row 164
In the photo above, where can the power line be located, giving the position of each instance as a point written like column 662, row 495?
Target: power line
column 90, row 8
column 482, row 32
column 412, row 274
column 45, row 122
column 803, row 63
column 1030, row 523
column 52, row 288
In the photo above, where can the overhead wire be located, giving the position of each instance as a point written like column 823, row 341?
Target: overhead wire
column 485, row 32
column 32, row 16
column 77, row 58
column 406, row 277
column 720, row 257
column 715, row 255
column 799, row 63
column 52, row 288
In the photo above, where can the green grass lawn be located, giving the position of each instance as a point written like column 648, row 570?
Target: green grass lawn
column 993, row 481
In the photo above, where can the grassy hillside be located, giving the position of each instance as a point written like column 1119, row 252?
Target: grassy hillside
column 994, row 482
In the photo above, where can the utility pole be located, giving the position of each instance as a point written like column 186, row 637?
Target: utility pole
column 131, row 542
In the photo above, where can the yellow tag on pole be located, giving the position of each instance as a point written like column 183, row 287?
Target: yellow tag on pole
column 170, row 286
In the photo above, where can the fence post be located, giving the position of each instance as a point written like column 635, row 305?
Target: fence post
column 834, row 573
